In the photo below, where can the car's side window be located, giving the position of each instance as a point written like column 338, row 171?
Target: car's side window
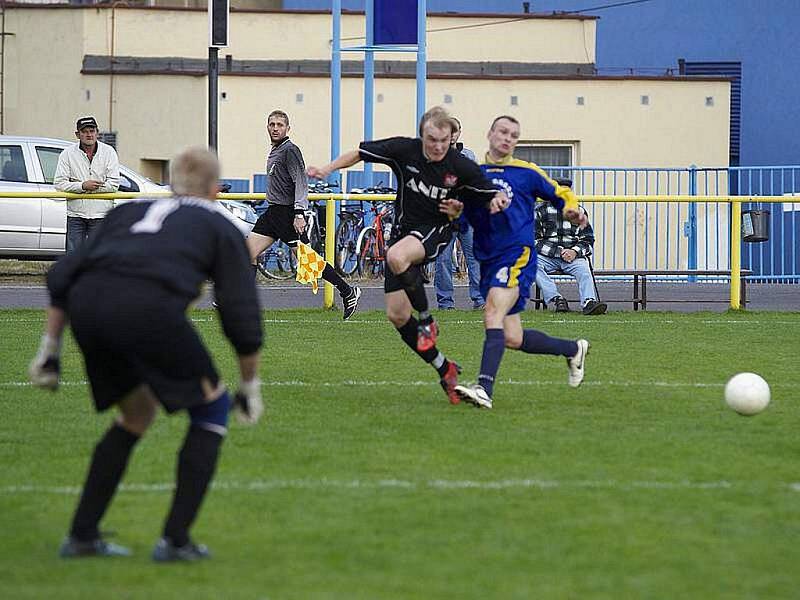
column 48, row 159
column 126, row 184
column 12, row 164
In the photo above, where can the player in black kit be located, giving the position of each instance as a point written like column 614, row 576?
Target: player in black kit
column 427, row 171
column 125, row 293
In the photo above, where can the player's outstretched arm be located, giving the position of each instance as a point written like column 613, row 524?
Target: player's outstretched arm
column 45, row 368
column 247, row 402
column 348, row 159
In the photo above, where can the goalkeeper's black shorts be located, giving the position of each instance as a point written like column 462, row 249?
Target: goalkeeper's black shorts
column 133, row 331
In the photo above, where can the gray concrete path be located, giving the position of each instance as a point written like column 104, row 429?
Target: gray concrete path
column 679, row 297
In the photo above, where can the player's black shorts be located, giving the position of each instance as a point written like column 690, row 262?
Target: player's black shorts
column 133, row 331
column 433, row 237
column 278, row 223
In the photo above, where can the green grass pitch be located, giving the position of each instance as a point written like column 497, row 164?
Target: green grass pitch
column 363, row 482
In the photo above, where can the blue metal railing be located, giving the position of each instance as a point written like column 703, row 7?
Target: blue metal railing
column 670, row 236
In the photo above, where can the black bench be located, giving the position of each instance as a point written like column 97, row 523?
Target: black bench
column 639, row 279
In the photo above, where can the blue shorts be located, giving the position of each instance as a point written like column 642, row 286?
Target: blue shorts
column 517, row 268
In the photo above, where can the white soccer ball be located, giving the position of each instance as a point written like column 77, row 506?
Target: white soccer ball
column 747, row 393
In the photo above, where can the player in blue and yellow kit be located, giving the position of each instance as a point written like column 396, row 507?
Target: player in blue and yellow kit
column 504, row 245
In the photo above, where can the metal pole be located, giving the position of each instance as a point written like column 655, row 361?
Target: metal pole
column 422, row 57
column 213, row 96
column 3, row 69
column 336, row 81
column 736, row 254
column 691, row 259
column 369, row 84
column 336, row 113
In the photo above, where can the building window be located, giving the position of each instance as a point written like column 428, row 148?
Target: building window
column 548, row 155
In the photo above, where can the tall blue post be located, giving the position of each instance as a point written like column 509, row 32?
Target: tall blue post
column 369, row 83
column 422, row 57
column 691, row 224
column 336, row 81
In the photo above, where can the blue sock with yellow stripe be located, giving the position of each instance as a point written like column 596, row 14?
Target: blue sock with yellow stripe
column 536, row 342
column 493, row 347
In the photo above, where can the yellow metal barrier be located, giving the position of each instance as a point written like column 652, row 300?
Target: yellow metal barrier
column 332, row 200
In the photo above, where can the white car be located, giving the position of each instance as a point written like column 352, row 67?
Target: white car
column 36, row 228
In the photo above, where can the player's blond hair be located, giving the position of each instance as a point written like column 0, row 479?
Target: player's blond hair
column 439, row 118
column 194, row 172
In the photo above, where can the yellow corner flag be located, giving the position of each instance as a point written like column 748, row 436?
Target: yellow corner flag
column 310, row 266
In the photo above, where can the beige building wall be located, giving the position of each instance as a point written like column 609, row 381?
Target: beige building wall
column 156, row 115
column 613, row 127
column 293, row 36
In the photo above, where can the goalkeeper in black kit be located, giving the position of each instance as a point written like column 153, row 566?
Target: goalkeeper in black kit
column 125, row 294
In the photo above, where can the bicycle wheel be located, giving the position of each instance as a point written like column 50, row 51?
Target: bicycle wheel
column 369, row 265
column 277, row 262
column 346, row 240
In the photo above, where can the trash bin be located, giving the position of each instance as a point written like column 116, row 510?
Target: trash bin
column 755, row 225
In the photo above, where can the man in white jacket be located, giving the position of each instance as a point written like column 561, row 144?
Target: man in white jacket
column 87, row 167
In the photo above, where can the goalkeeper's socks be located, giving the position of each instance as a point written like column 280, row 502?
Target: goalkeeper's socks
column 197, row 461
column 414, row 288
column 494, row 346
column 536, row 342
column 108, row 465
column 255, row 270
column 408, row 332
column 330, row 275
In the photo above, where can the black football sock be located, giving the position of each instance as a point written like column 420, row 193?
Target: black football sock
column 408, row 332
column 197, row 461
column 415, row 290
column 330, row 275
column 108, row 465
column 493, row 348
column 536, row 342
column 255, row 271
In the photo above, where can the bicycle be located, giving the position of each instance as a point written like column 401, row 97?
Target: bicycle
column 372, row 241
column 351, row 223
column 315, row 222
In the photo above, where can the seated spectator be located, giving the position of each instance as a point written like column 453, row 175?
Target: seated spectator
column 563, row 247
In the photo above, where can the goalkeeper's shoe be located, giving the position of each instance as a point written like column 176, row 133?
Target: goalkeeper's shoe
column 426, row 335
column 350, row 302
column 474, row 394
column 45, row 374
column 575, row 364
column 449, row 381
column 166, row 551
column 73, row 548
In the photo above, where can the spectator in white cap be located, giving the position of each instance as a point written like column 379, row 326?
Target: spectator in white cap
column 87, row 167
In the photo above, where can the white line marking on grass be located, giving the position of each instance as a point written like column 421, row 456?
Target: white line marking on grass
column 405, row 484
column 431, row 382
column 353, row 322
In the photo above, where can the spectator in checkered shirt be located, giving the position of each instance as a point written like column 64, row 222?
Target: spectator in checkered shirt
column 563, row 247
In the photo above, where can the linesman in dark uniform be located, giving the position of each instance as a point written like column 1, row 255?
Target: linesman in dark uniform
column 287, row 197
column 428, row 171
column 125, row 294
